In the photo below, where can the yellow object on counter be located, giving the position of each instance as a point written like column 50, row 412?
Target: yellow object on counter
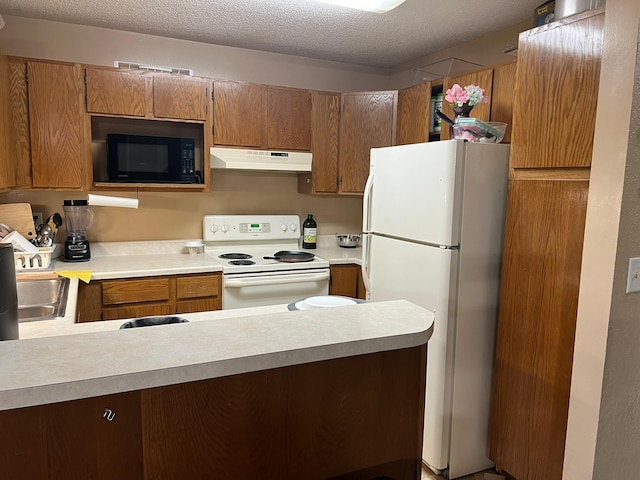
column 84, row 275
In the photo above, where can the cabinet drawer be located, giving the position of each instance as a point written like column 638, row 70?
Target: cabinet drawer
column 199, row 305
column 136, row 311
column 200, row 286
column 135, row 291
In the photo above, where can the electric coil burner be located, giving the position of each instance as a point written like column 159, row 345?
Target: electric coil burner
column 235, row 256
column 242, row 262
column 259, row 281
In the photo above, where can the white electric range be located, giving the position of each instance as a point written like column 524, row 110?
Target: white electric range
column 240, row 243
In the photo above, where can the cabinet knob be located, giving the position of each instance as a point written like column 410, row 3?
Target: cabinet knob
column 109, row 414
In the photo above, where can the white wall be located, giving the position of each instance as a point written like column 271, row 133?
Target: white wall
column 603, row 432
column 99, row 46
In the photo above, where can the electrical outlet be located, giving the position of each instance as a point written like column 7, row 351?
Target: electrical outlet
column 633, row 276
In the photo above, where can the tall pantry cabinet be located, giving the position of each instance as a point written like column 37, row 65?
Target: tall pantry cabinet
column 557, row 77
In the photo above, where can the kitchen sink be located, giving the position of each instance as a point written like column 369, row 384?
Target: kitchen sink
column 42, row 299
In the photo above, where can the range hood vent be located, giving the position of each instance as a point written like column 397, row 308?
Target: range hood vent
column 267, row 160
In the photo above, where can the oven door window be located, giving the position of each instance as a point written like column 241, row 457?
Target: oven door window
column 281, row 288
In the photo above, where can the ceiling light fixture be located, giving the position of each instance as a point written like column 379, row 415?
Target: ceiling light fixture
column 377, row 6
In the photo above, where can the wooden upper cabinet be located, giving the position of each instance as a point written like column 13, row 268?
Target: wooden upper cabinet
column 482, row 78
column 503, row 96
column 20, row 131
column 288, row 119
column 368, row 121
column 118, row 92
column 60, row 140
column 325, row 126
column 180, row 97
column 414, row 114
column 557, row 83
column 7, row 152
column 239, row 114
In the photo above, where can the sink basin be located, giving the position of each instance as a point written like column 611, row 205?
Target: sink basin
column 42, row 299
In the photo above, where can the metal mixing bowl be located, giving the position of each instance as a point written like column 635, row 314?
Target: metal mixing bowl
column 348, row 240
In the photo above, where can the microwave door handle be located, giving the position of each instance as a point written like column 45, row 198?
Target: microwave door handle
column 275, row 280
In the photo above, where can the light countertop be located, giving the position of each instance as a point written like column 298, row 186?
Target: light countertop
column 133, row 259
column 100, row 359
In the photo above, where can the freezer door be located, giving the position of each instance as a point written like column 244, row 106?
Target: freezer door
column 416, row 192
column 425, row 276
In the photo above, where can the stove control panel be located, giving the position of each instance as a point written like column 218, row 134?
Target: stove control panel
column 250, row 227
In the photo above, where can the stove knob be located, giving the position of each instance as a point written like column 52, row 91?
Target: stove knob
column 293, row 227
column 213, row 227
column 225, row 228
column 283, row 227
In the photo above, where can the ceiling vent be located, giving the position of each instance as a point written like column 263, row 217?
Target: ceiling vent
column 153, row 68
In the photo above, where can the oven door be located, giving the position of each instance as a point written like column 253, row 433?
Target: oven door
column 273, row 288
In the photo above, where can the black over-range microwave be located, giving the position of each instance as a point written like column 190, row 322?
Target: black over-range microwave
column 148, row 159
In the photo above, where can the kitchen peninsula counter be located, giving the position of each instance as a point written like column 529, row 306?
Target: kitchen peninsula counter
column 46, row 370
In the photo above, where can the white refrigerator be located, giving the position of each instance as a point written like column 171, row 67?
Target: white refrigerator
column 433, row 223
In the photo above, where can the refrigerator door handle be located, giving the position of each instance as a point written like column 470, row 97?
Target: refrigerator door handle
column 366, row 203
column 365, row 265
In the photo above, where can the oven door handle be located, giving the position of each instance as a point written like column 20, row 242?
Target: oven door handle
column 275, row 280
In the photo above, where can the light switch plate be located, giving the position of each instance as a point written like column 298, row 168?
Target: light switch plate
column 633, row 276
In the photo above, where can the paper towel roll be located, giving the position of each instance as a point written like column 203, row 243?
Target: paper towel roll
column 108, row 201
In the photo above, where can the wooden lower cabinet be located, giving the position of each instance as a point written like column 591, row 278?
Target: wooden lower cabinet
column 350, row 418
column 536, row 327
column 346, row 280
column 147, row 296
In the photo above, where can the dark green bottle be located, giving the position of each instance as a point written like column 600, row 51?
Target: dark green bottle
column 309, row 232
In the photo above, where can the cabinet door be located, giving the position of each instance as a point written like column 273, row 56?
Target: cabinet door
column 7, row 157
column 98, row 438
column 60, row 137
column 538, row 305
column 557, row 87
column 503, row 96
column 118, row 92
column 20, row 130
column 239, row 114
column 344, row 280
column 368, row 121
column 289, row 119
column 414, row 110
column 481, row 78
column 150, row 289
column 325, row 125
column 180, row 97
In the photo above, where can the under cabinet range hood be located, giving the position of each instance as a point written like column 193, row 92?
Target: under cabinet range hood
column 265, row 160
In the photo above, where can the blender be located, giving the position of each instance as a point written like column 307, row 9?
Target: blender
column 78, row 217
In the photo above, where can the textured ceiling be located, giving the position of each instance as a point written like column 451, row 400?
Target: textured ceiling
column 297, row 27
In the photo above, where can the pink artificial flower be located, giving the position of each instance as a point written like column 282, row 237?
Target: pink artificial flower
column 456, row 95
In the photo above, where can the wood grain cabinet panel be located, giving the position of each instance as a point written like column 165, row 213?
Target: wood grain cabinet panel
column 146, row 296
column 7, row 160
column 344, row 280
column 118, row 92
column 503, row 96
column 239, row 114
column 325, row 127
column 539, row 300
column 60, row 139
column 20, row 129
column 482, row 78
column 288, row 119
column 198, row 286
column 98, row 438
column 558, row 75
column 414, row 110
column 367, row 121
column 180, row 97
column 135, row 290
